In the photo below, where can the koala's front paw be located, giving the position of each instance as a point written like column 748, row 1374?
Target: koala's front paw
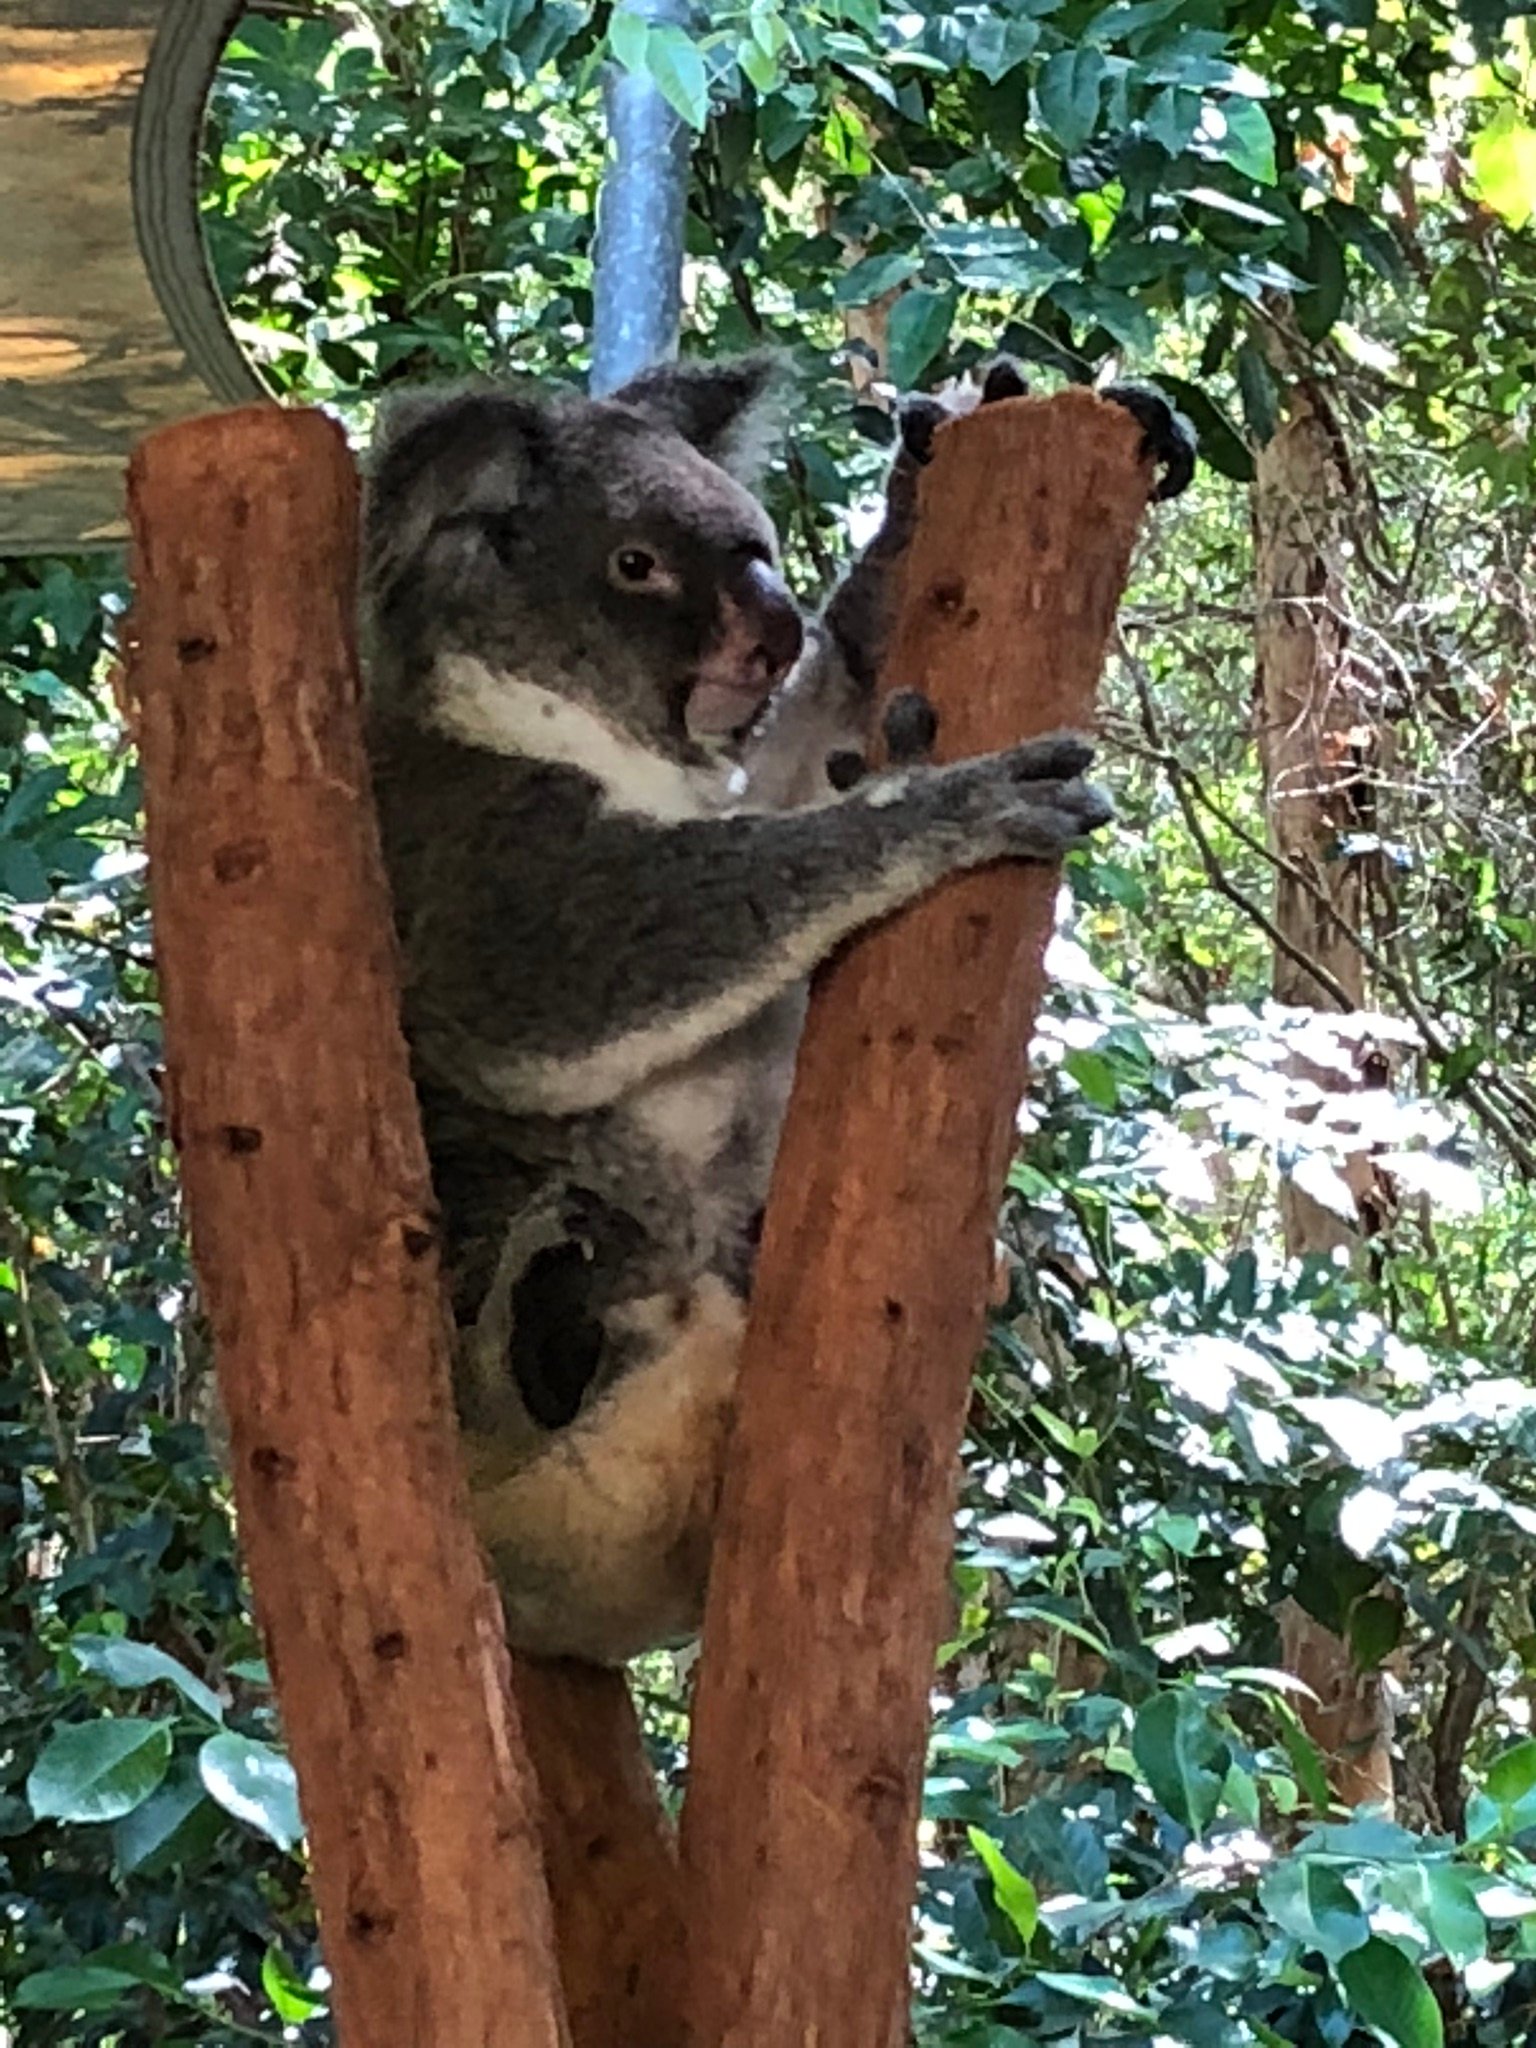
column 1049, row 818
column 1042, row 804
column 1168, row 439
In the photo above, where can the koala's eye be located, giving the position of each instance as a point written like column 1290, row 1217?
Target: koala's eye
column 632, row 566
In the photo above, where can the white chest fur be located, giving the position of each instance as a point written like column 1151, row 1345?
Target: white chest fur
column 503, row 713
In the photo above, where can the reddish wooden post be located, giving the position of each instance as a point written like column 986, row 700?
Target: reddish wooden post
column 799, row 1829
column 310, row 1206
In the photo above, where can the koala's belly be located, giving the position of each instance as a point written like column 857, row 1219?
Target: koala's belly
column 711, row 1129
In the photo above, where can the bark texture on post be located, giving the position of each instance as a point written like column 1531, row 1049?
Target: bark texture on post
column 610, row 1855
column 311, row 1215
column 826, row 1599
column 1319, row 745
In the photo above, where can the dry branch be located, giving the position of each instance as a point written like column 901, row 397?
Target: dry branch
column 310, row 1206
column 826, row 1598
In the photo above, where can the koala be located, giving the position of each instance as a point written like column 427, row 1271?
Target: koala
column 626, row 810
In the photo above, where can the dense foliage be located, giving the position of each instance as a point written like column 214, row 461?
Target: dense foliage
column 1177, row 1429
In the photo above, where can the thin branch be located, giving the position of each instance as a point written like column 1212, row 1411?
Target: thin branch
column 1180, row 780
column 1188, row 792
column 77, row 1499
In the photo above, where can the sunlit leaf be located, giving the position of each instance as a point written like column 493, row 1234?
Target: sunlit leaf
column 254, row 1782
column 1504, row 164
column 1014, row 1893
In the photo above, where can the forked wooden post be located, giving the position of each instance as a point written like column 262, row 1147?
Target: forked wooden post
column 307, row 1188
column 825, row 1601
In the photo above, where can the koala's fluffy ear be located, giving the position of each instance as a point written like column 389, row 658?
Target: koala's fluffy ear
column 443, row 450
column 732, row 411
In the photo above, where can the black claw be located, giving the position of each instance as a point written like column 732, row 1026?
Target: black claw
column 846, row 768
column 1094, row 807
column 910, row 726
column 919, row 419
column 1057, row 758
column 1004, row 379
column 1169, row 440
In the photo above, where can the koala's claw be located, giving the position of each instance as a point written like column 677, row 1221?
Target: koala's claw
column 919, row 419
column 1168, row 438
column 910, row 726
column 846, row 768
column 1004, row 379
column 1049, row 823
column 1059, row 757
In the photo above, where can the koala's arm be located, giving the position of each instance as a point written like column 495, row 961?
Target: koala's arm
column 556, row 992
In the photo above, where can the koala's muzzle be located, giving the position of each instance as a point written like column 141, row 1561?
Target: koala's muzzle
column 755, row 646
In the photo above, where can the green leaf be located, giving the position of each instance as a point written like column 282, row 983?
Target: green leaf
column 170, row 1825
column 918, row 328
column 287, row 1993
column 676, row 63
column 1248, row 143
column 1512, row 1774
column 99, row 1770
column 1389, row 1993
column 1311, row 1901
column 1173, row 115
column 1504, row 165
column 1183, row 1755
column 1375, row 1630
column 1306, row 1758
column 1220, row 443
column 629, row 36
column 255, row 1782
column 78, row 1987
column 1067, row 94
column 995, row 47
column 1014, row 1893
column 1453, row 1914
column 1259, row 392
column 1317, row 309
column 134, row 1665
column 876, row 276
column 1095, row 1076
column 1095, row 1991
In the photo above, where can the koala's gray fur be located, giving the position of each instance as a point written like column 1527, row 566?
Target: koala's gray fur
column 608, row 915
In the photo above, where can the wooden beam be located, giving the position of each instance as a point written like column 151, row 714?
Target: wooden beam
column 312, row 1230
column 827, row 1592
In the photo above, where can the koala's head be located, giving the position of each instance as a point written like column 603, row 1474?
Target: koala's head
column 608, row 550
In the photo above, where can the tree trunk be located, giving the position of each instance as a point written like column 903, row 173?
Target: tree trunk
column 826, row 1596
column 1317, row 745
column 292, row 1108
column 610, row 1856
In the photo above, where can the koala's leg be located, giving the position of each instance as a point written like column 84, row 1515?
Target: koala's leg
column 600, row 1540
column 485, row 1388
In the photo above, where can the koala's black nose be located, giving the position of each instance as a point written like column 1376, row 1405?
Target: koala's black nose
column 772, row 616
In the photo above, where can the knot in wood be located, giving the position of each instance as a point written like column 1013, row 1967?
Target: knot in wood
column 238, row 861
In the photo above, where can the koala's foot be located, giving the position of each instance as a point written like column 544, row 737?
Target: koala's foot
column 1168, row 439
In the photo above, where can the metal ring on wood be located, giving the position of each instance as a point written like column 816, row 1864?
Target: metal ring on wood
column 167, row 134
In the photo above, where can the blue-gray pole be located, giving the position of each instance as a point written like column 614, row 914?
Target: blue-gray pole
column 638, row 280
